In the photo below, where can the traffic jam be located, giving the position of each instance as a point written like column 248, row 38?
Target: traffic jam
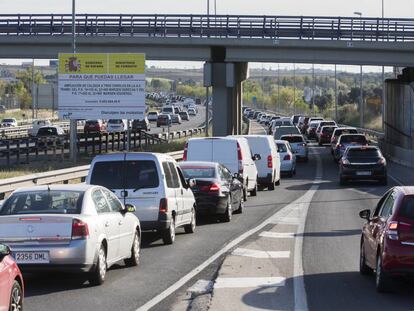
column 86, row 228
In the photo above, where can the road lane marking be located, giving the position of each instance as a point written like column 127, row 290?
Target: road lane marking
column 249, row 282
column 277, row 235
column 298, row 284
column 285, row 220
column 260, row 254
column 396, row 180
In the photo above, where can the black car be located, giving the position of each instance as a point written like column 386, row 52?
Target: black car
column 184, row 115
column 217, row 192
column 363, row 163
column 143, row 125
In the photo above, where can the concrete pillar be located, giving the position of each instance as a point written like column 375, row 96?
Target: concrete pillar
column 226, row 80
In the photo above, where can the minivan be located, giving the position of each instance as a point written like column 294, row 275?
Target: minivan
column 232, row 152
column 268, row 167
column 154, row 184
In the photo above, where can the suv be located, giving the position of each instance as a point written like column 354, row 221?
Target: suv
column 141, row 125
column 152, row 182
column 164, row 120
column 94, row 126
column 338, row 132
column 346, row 141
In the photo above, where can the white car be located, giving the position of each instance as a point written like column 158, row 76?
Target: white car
column 73, row 228
column 285, row 130
column 36, row 125
column 175, row 118
column 232, row 152
column 152, row 116
column 280, row 122
column 154, row 183
column 116, row 125
column 168, row 110
column 287, row 158
column 299, row 146
column 268, row 167
column 9, row 122
column 192, row 112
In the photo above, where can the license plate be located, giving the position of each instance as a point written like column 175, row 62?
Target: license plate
column 31, row 257
column 364, row 173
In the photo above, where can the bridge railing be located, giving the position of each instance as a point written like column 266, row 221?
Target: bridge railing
column 218, row 26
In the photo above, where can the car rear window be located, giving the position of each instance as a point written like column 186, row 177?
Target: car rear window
column 358, row 139
column 293, row 139
column 350, row 131
column 407, row 207
column 125, row 174
column 47, row 131
column 115, row 121
column 43, row 202
column 328, row 130
column 281, row 148
column 363, row 153
column 198, row 172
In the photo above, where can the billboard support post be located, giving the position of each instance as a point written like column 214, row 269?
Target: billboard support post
column 73, row 129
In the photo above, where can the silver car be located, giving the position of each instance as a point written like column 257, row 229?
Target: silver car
column 287, row 158
column 74, row 228
column 299, row 146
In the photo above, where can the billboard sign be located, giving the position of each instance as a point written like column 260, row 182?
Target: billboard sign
column 101, row 86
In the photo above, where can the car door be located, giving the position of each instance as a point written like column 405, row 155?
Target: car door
column 173, row 191
column 187, row 198
column 125, row 224
column 234, row 186
column 109, row 223
column 371, row 231
column 5, row 284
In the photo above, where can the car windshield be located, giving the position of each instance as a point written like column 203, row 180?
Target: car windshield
column 152, row 113
column 198, row 172
column 47, row 131
column 8, row 120
column 115, row 121
column 281, row 148
column 407, row 207
column 363, row 153
column 125, row 174
column 293, row 139
column 353, row 139
column 43, row 202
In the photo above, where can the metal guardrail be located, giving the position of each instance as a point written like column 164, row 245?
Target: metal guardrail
column 57, row 176
column 217, row 26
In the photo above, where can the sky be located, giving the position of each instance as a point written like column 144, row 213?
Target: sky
column 369, row 8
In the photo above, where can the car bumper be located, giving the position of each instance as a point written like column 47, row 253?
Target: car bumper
column 163, row 223
column 359, row 173
column 210, row 205
column 264, row 180
column 286, row 166
column 399, row 259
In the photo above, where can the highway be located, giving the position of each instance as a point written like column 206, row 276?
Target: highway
column 324, row 264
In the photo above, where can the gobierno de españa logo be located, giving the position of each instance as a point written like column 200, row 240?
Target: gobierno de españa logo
column 72, row 64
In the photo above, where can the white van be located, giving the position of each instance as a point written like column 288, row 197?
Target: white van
column 268, row 167
column 232, row 152
column 154, row 184
column 168, row 110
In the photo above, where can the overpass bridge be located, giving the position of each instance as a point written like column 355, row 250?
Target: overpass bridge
column 225, row 42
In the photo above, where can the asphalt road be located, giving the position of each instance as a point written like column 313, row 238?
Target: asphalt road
column 330, row 253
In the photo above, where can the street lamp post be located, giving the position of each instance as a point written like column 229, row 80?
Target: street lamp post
column 73, row 123
column 361, row 95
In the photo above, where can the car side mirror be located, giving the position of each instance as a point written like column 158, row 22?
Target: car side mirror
column 4, row 251
column 236, row 176
column 191, row 182
column 256, row 157
column 365, row 214
column 129, row 208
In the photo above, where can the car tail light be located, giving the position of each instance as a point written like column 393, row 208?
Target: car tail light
column 392, row 230
column 163, row 206
column 214, row 187
column 381, row 161
column 185, row 152
column 269, row 161
column 240, row 158
column 287, row 157
column 80, row 229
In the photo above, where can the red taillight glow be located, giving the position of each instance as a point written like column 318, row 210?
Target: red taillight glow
column 163, row 206
column 269, row 161
column 80, row 229
column 393, row 225
column 185, row 152
column 215, row 187
column 240, row 158
column 392, row 231
column 287, row 157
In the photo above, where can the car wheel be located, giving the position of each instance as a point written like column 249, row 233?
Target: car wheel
column 168, row 236
column 271, row 186
column 383, row 181
column 135, row 252
column 363, row 268
column 294, row 171
column 253, row 193
column 16, row 297
column 382, row 281
column 290, row 173
column 306, row 159
column 245, row 194
column 241, row 207
column 342, row 181
column 190, row 228
column 98, row 275
column 278, row 182
column 228, row 212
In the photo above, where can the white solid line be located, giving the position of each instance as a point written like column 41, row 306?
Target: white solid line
column 396, row 180
column 260, row 254
column 277, row 235
column 249, row 282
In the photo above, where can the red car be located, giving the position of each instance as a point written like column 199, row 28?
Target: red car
column 11, row 282
column 387, row 242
